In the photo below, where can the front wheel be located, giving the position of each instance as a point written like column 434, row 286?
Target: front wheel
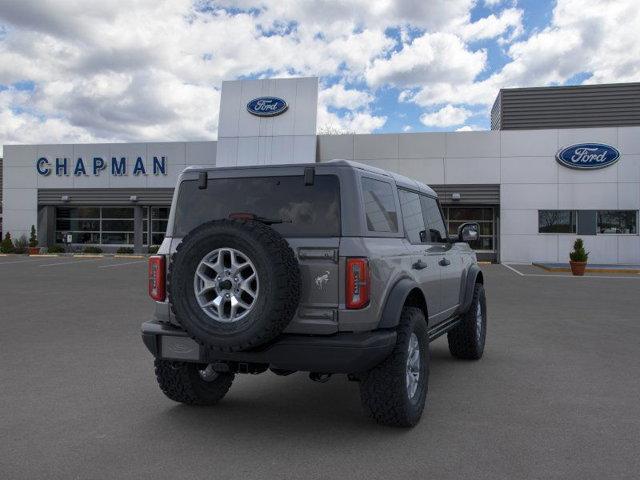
column 395, row 391
column 192, row 383
column 466, row 340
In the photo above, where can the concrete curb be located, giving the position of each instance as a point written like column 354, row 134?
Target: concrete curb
column 588, row 269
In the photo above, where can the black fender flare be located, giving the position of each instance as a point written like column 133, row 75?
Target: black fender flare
column 395, row 301
column 474, row 275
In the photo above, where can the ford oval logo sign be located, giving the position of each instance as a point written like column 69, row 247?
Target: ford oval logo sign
column 267, row 106
column 588, row 156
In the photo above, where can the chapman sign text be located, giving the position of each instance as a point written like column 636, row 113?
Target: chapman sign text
column 118, row 166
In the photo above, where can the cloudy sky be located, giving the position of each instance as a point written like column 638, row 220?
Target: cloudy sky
column 126, row 70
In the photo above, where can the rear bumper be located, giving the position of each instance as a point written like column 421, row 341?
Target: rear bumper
column 339, row 353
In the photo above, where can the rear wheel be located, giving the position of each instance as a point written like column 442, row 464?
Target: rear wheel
column 395, row 391
column 466, row 340
column 192, row 383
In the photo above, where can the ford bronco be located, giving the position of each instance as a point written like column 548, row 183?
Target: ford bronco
column 327, row 268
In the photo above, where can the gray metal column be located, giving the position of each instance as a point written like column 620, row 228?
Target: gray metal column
column 46, row 228
column 137, row 229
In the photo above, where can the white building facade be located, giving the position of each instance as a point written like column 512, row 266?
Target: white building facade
column 530, row 206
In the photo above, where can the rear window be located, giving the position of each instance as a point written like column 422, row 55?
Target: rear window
column 305, row 211
column 379, row 206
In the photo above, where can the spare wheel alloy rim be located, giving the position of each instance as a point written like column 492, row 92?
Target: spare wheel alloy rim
column 226, row 285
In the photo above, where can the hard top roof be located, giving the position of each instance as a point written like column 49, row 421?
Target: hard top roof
column 400, row 180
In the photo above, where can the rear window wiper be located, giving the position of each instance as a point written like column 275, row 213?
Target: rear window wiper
column 257, row 218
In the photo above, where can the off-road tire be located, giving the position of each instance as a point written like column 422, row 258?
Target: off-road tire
column 181, row 382
column 277, row 269
column 465, row 341
column 383, row 390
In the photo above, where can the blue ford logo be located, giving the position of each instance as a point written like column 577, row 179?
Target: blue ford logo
column 267, row 106
column 588, row 156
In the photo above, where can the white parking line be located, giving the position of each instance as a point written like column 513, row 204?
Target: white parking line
column 22, row 261
column 121, row 264
column 513, row 270
column 565, row 276
column 69, row 263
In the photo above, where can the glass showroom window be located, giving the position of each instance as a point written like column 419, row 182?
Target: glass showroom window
column 117, row 225
column 159, row 219
column 82, row 223
column 556, row 221
column 95, row 225
column 618, row 221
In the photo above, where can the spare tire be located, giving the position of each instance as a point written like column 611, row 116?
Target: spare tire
column 233, row 284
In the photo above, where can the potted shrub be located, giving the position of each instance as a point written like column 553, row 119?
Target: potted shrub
column 92, row 250
column 578, row 258
column 124, row 251
column 7, row 244
column 33, row 242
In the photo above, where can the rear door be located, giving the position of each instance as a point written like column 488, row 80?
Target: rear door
column 447, row 257
column 424, row 264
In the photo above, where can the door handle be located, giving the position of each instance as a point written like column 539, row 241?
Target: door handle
column 444, row 262
column 419, row 265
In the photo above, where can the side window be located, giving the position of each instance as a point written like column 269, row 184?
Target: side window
column 412, row 216
column 436, row 232
column 379, row 206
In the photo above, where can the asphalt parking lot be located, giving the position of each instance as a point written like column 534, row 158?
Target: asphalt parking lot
column 557, row 394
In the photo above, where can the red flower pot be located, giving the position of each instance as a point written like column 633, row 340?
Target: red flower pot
column 578, row 268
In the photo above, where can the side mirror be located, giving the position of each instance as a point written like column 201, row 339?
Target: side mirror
column 468, row 232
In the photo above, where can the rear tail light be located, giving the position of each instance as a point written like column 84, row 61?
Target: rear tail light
column 357, row 283
column 157, row 268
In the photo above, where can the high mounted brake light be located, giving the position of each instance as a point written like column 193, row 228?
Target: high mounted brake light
column 157, row 286
column 242, row 216
column 357, row 283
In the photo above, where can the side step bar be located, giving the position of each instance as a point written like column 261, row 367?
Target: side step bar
column 442, row 328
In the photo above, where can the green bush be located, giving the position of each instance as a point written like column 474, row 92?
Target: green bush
column 55, row 249
column 7, row 244
column 579, row 254
column 92, row 250
column 21, row 244
column 124, row 250
column 33, row 238
column 154, row 248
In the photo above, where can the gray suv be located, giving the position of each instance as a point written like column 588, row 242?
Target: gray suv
column 328, row 268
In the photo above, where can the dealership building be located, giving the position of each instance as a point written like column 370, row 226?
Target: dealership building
column 559, row 162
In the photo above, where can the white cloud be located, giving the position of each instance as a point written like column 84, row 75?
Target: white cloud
column 432, row 57
column 469, row 128
column 407, row 128
column 447, row 116
column 351, row 122
column 151, row 69
column 583, row 37
column 492, row 3
column 509, row 20
column 338, row 96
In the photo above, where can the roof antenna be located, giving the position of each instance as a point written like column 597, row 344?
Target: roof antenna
column 309, row 176
column 202, row 180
